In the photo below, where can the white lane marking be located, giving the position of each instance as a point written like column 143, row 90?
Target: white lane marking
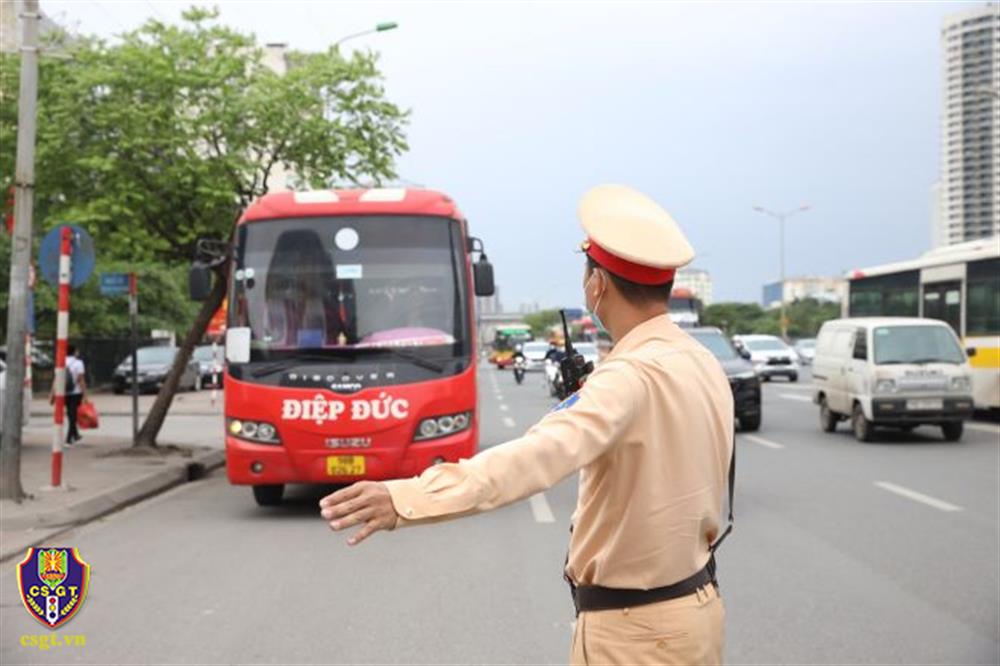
column 541, row 509
column 788, row 386
column 509, row 422
column 503, row 407
column 982, row 427
column 800, row 398
column 763, row 442
column 917, row 497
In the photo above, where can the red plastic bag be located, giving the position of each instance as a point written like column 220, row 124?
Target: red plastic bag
column 86, row 416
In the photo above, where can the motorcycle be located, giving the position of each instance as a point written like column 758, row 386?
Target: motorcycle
column 520, row 367
column 553, row 379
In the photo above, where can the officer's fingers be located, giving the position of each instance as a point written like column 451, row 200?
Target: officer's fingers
column 350, row 492
column 361, row 516
column 370, row 528
column 346, row 507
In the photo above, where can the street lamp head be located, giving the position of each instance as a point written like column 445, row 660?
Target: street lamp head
column 759, row 209
column 386, row 25
column 805, row 207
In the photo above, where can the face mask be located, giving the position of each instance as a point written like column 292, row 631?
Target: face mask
column 593, row 312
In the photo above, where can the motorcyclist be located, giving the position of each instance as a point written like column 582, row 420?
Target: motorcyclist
column 555, row 353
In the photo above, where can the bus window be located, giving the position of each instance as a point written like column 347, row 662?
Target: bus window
column 943, row 301
column 896, row 295
column 982, row 316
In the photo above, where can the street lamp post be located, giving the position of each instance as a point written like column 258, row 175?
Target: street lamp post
column 781, row 217
column 379, row 27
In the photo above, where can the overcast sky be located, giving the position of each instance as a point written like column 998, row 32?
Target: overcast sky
column 709, row 108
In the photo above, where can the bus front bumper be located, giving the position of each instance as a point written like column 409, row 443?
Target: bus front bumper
column 259, row 464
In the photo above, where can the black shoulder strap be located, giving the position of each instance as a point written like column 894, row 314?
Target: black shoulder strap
column 732, row 488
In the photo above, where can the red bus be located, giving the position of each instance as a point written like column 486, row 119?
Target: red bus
column 350, row 337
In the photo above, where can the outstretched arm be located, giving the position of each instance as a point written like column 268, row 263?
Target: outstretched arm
column 582, row 429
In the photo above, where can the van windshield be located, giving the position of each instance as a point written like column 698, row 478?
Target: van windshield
column 916, row 344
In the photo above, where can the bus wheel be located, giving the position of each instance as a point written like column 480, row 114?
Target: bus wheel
column 268, row 495
column 953, row 430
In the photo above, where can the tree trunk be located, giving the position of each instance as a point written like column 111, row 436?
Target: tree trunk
column 158, row 413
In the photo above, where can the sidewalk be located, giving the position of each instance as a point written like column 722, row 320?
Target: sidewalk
column 96, row 480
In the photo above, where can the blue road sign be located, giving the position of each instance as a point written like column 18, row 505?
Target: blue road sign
column 83, row 256
column 114, row 284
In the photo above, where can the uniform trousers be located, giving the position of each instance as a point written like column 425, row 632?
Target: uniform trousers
column 686, row 631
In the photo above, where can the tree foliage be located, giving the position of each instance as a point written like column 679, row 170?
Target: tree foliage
column 541, row 321
column 804, row 318
column 162, row 137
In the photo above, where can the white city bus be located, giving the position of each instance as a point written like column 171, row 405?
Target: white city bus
column 958, row 284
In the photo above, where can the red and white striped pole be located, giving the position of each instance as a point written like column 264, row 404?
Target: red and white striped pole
column 62, row 337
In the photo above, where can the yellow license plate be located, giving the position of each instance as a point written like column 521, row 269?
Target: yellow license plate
column 345, row 465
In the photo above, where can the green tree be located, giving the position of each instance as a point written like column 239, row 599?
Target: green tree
column 804, row 318
column 163, row 138
column 541, row 321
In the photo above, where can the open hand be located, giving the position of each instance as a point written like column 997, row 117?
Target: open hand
column 366, row 503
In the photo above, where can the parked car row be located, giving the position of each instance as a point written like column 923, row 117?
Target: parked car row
column 154, row 363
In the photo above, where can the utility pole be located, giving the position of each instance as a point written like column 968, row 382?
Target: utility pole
column 17, row 310
column 781, row 217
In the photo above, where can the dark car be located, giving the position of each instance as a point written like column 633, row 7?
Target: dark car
column 742, row 377
column 210, row 364
column 153, row 364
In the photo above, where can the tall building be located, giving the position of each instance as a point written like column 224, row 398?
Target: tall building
column 827, row 290
column 698, row 281
column 970, row 126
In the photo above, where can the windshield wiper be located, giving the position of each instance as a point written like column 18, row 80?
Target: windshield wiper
column 923, row 361
column 301, row 359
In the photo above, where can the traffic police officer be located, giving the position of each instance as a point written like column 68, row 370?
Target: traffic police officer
column 651, row 433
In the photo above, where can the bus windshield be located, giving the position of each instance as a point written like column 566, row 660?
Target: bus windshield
column 350, row 283
column 916, row 344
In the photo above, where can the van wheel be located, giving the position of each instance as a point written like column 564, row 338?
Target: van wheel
column 952, row 431
column 827, row 418
column 750, row 423
column 269, row 495
column 864, row 431
column 794, row 377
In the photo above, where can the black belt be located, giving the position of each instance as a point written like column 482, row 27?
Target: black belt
column 596, row 597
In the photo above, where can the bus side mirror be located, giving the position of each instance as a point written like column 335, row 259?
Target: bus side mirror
column 970, row 352
column 199, row 282
column 483, row 276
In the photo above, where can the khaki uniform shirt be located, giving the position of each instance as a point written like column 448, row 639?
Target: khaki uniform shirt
column 651, row 433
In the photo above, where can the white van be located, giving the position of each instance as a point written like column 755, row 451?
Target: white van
column 895, row 372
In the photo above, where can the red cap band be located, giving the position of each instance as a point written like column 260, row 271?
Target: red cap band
column 629, row 270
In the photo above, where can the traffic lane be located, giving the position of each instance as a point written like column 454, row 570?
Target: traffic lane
column 820, row 490
column 913, row 460
column 237, row 584
column 209, row 577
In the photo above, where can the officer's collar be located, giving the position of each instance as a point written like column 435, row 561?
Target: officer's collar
column 659, row 326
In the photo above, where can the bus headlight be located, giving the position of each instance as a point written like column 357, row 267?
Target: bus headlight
column 442, row 426
column 253, row 431
column 961, row 384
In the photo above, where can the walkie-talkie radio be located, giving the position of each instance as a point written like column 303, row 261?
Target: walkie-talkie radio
column 574, row 367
